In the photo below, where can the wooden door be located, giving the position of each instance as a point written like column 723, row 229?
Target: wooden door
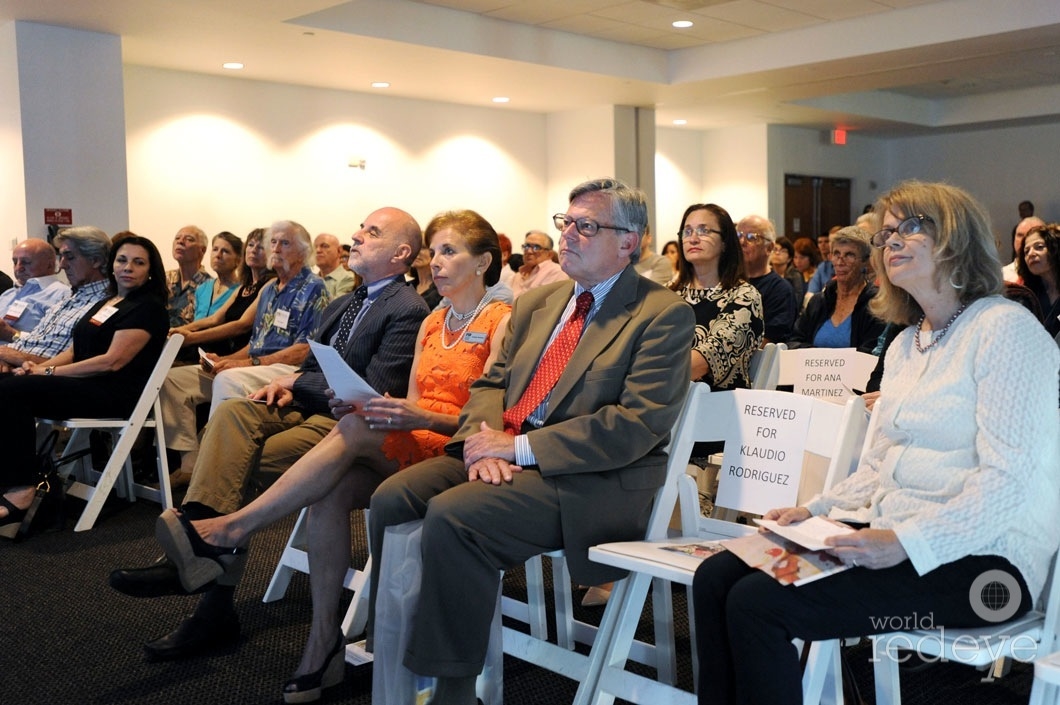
column 813, row 204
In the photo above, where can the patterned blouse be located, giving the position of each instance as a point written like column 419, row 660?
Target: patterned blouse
column 729, row 328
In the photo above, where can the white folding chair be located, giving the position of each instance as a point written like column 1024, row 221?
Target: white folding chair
column 146, row 414
column 294, row 559
column 765, row 366
column 1026, row 638
column 560, row 657
column 1046, row 687
column 835, row 433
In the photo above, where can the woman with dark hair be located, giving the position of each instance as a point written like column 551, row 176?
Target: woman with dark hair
column 782, row 259
column 670, row 250
column 102, row 374
column 805, row 260
column 958, row 482
column 710, row 277
column 838, row 316
column 228, row 329
column 370, row 443
column 226, row 257
column 1038, row 265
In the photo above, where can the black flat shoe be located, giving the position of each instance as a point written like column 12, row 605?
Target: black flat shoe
column 195, row 636
column 156, row 580
column 307, row 687
column 197, row 562
column 10, row 523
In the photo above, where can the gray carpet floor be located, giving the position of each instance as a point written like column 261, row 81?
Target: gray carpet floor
column 68, row 638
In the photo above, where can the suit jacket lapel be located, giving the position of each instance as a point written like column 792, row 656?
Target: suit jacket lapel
column 602, row 329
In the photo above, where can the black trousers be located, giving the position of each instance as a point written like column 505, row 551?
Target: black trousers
column 745, row 620
column 24, row 399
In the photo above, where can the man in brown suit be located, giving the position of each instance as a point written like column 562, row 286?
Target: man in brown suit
column 582, row 467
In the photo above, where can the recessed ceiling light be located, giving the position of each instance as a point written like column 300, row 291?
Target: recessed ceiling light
column 380, row 84
column 233, row 65
column 682, row 24
column 681, row 122
column 501, row 99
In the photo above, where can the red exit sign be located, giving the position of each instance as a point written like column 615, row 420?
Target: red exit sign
column 58, row 216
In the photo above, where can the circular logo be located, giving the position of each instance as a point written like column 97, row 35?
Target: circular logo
column 994, row 596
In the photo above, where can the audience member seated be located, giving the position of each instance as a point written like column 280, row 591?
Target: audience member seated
column 807, row 258
column 288, row 310
column 329, row 260
column 5, row 282
column 781, row 259
column 954, row 442
column 1010, row 271
column 671, row 251
column 370, row 443
column 710, row 277
column 420, row 277
column 1039, row 267
column 226, row 255
column 839, row 316
column 115, row 347
column 189, row 248
column 507, row 271
column 524, row 475
column 825, row 271
column 538, row 268
column 39, row 288
column 83, row 256
column 228, row 329
column 655, row 267
column 374, row 329
column 779, row 307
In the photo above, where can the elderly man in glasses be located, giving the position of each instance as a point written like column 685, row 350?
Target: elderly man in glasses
column 779, row 307
column 538, row 268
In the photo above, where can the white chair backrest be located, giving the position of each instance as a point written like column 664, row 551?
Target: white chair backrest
column 765, row 366
column 157, row 378
column 836, row 433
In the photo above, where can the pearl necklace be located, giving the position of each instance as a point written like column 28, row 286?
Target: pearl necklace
column 450, row 315
column 941, row 334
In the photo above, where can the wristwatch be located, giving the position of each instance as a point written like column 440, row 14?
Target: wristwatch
column 255, row 360
column 16, row 336
column 49, row 371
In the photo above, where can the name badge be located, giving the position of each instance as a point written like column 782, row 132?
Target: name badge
column 283, row 317
column 475, row 337
column 103, row 314
column 15, row 310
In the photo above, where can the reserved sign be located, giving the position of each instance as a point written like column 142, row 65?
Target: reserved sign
column 830, row 374
column 762, row 464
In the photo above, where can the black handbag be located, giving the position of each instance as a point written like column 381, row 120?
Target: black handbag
column 47, row 502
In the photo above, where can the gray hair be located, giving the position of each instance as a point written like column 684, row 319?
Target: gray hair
column 91, row 243
column 629, row 205
column 302, row 238
column 542, row 233
column 853, row 235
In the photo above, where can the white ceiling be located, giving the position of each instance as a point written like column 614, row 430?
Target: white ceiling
column 874, row 65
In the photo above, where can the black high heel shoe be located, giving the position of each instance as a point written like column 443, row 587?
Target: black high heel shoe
column 197, row 562
column 307, row 687
column 10, row 523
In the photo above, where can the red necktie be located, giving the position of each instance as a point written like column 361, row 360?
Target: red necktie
column 551, row 366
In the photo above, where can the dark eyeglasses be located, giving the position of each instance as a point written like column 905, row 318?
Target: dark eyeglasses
column 531, row 247
column 907, row 228
column 585, row 226
column 700, row 231
column 750, row 237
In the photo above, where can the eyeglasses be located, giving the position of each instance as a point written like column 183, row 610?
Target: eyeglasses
column 585, row 226
column 844, row 256
column 700, row 231
column 907, row 228
column 750, row 237
column 531, row 247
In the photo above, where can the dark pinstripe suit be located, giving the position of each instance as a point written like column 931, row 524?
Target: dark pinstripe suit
column 244, row 436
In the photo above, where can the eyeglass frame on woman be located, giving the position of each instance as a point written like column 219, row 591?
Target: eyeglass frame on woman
column 911, row 226
column 700, row 231
column 562, row 221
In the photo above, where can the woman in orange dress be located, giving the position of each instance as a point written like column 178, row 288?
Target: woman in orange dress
column 383, row 436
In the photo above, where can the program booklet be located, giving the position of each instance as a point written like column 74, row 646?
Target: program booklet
column 785, row 560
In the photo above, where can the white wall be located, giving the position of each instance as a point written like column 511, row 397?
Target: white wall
column 735, row 169
column 231, row 154
column 12, row 169
column 863, row 160
column 678, row 178
column 999, row 167
column 581, row 146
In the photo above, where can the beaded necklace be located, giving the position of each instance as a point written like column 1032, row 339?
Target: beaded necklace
column 941, row 334
column 450, row 315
